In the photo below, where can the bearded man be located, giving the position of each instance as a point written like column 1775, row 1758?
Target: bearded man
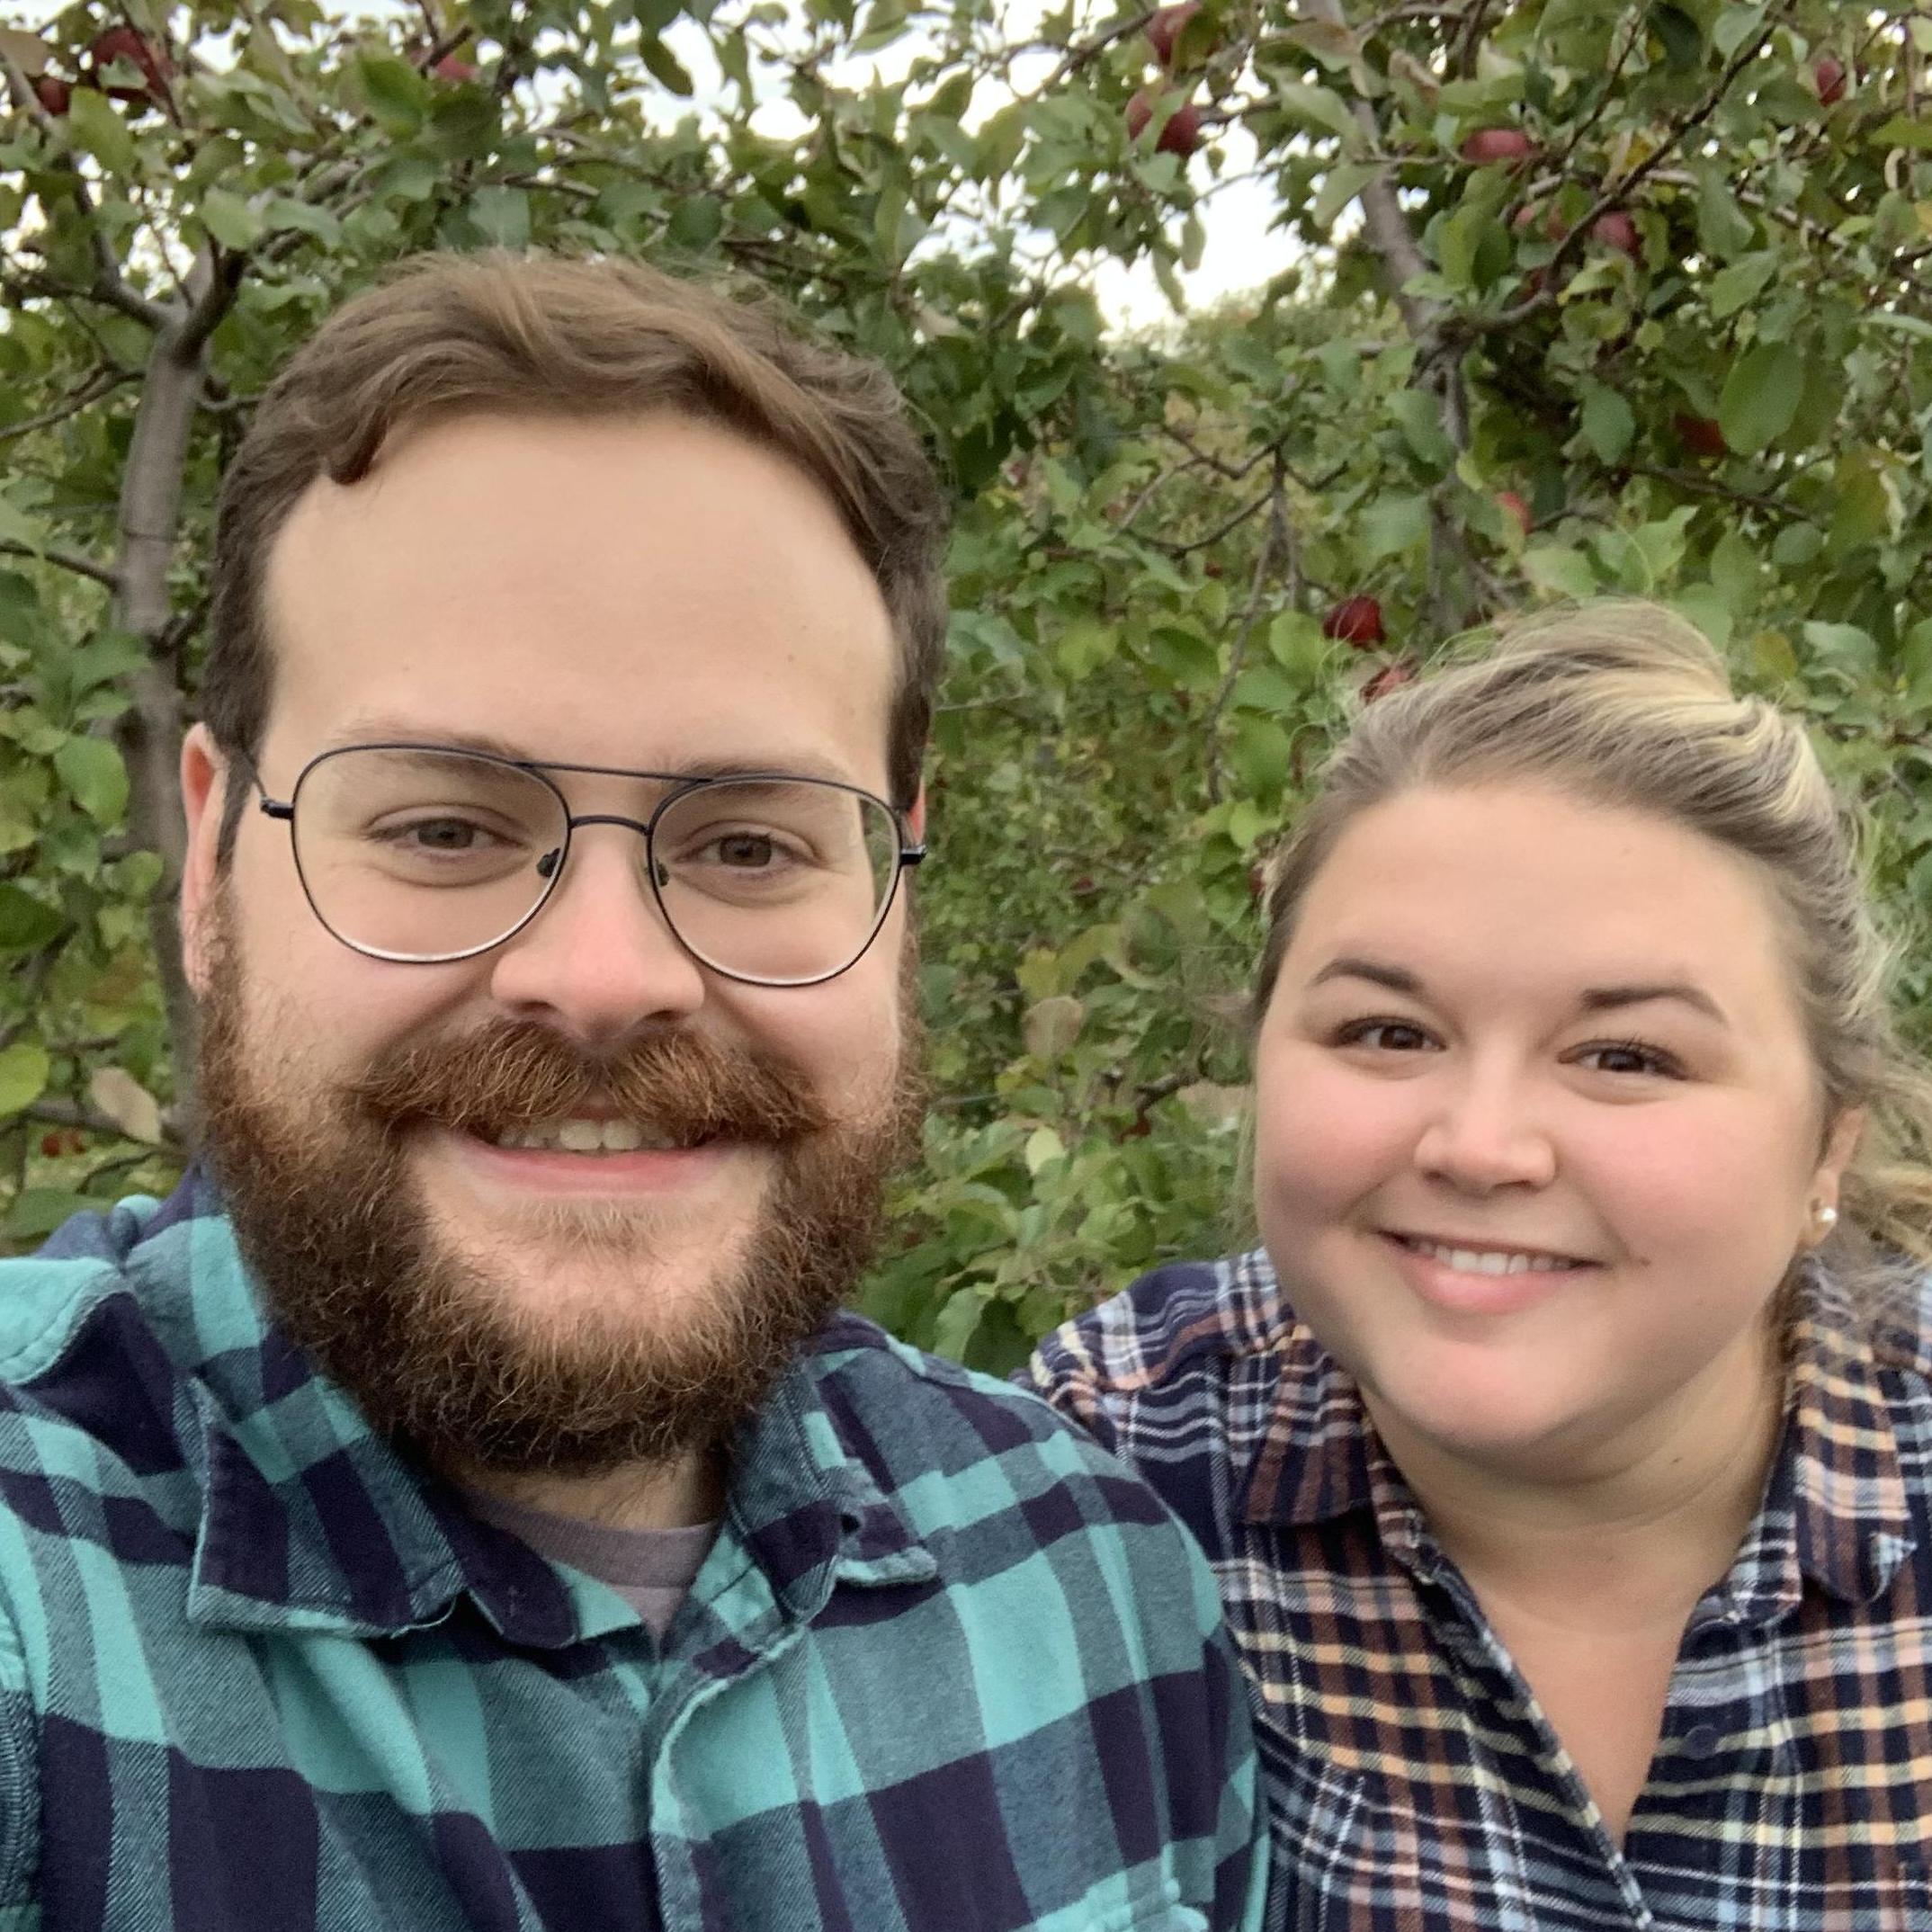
column 461, row 1505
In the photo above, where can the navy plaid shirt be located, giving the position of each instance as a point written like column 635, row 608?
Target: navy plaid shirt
column 948, row 1668
column 1414, row 1781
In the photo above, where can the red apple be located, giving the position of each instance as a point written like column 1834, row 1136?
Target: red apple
column 130, row 44
column 1701, row 435
column 1391, row 677
column 1616, row 231
column 1829, row 76
column 1180, row 135
column 1356, row 621
column 1509, row 500
column 1164, row 30
column 454, row 67
column 53, row 93
column 1489, row 145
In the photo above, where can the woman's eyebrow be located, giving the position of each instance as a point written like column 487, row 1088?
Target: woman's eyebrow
column 1395, row 979
column 1603, row 999
column 1593, row 1000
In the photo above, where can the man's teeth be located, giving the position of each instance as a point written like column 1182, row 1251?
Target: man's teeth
column 1488, row 1260
column 589, row 1137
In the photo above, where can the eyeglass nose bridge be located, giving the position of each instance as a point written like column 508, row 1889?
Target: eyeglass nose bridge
column 552, row 862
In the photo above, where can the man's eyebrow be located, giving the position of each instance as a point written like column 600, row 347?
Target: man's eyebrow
column 1605, row 998
column 392, row 731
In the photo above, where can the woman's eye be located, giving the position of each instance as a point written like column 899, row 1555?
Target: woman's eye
column 1630, row 1056
column 1385, row 1036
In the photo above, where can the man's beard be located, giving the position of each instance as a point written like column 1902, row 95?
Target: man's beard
column 445, row 1355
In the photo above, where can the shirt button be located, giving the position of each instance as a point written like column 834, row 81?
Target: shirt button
column 1700, row 1741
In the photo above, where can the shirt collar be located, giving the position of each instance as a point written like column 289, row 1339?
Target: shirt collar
column 312, row 1521
column 1835, row 1513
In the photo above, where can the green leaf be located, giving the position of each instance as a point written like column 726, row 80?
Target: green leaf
column 1723, row 226
column 1900, row 132
column 504, row 216
column 39, row 1211
column 1761, row 396
column 696, row 222
column 665, row 66
column 958, row 1318
column 94, row 773
column 23, row 1071
column 1559, row 571
column 95, row 124
column 1339, row 186
column 230, row 220
column 25, row 921
column 1320, row 107
column 397, row 93
column 1740, row 284
column 1608, row 423
column 1393, row 524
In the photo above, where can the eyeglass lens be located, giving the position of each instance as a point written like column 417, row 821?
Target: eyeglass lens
column 423, row 854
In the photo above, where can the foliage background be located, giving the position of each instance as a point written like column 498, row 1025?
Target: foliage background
column 1719, row 397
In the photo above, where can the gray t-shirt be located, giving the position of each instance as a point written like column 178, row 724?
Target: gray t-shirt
column 652, row 1569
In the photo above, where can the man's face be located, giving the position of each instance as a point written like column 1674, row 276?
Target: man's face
column 650, row 594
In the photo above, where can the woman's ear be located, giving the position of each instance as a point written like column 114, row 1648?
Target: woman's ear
column 1841, row 1144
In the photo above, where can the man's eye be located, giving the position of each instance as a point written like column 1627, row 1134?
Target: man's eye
column 438, row 835
column 1387, row 1036
column 748, row 850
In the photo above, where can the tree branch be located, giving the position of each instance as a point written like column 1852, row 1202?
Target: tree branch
column 72, row 560
column 1388, row 232
column 1614, row 193
column 110, row 285
column 1279, row 541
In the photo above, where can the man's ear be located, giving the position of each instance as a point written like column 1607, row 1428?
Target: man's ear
column 204, row 780
column 916, row 817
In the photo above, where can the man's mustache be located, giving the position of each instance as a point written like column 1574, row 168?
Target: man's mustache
column 513, row 1074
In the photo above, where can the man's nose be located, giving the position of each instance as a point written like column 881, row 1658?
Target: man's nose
column 599, row 960
column 1486, row 1131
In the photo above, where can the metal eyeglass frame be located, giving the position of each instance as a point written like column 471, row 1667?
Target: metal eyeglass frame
column 911, row 851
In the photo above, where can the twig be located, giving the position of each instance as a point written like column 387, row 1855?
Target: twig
column 1280, row 539
column 88, row 567
column 101, row 383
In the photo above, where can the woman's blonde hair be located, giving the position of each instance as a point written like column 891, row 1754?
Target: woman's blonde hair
column 1625, row 704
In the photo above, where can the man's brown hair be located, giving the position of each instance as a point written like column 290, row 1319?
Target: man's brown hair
column 452, row 335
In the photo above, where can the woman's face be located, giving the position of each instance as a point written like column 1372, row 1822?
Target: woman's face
column 1539, row 1132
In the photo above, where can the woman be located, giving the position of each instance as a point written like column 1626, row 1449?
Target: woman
column 1563, row 1457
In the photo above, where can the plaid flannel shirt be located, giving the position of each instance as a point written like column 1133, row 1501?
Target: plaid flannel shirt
column 946, row 1667
column 1412, row 1780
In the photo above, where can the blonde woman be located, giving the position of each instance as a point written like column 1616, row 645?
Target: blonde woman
column 1563, row 1456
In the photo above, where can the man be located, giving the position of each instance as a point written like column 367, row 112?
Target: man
column 461, row 1505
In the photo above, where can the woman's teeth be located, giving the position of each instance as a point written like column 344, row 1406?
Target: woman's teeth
column 1488, row 1260
column 589, row 1137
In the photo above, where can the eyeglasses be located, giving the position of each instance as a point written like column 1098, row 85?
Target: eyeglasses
column 423, row 855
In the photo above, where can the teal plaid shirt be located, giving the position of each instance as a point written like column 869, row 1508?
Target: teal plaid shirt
column 947, row 1666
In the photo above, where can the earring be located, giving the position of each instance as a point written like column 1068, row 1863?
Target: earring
column 1826, row 1216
